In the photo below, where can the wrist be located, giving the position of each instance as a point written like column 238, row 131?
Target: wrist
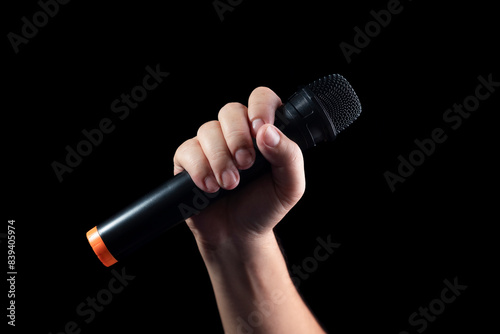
column 239, row 248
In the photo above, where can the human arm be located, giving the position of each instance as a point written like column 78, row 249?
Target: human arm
column 235, row 236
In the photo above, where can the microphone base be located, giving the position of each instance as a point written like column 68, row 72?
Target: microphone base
column 100, row 248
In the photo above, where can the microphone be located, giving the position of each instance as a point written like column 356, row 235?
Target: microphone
column 316, row 113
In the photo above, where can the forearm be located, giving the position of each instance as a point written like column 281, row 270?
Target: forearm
column 254, row 291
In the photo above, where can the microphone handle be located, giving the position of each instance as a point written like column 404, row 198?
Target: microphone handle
column 301, row 119
column 163, row 208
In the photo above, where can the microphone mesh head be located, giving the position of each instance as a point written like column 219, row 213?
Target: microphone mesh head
column 338, row 99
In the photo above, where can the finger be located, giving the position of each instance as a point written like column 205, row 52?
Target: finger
column 287, row 164
column 218, row 155
column 262, row 105
column 190, row 157
column 233, row 118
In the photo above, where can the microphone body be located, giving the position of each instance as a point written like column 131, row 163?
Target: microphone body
column 303, row 119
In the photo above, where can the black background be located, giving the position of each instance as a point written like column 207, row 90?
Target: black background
column 396, row 249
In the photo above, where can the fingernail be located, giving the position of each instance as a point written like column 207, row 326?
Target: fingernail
column 211, row 184
column 228, row 179
column 271, row 137
column 256, row 124
column 243, row 158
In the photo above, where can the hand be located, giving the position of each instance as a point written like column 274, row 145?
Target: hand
column 213, row 158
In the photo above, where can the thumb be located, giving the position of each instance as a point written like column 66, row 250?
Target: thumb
column 287, row 164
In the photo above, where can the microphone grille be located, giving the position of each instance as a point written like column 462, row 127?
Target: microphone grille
column 338, row 99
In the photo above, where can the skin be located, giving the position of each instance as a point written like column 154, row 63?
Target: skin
column 253, row 289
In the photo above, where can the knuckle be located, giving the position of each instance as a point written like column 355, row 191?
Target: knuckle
column 238, row 137
column 230, row 108
column 186, row 145
column 181, row 149
column 218, row 155
column 262, row 90
column 296, row 154
column 197, row 173
column 183, row 153
column 207, row 127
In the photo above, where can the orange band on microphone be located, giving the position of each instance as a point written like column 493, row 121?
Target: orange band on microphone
column 100, row 248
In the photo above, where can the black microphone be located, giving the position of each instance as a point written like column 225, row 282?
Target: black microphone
column 316, row 113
